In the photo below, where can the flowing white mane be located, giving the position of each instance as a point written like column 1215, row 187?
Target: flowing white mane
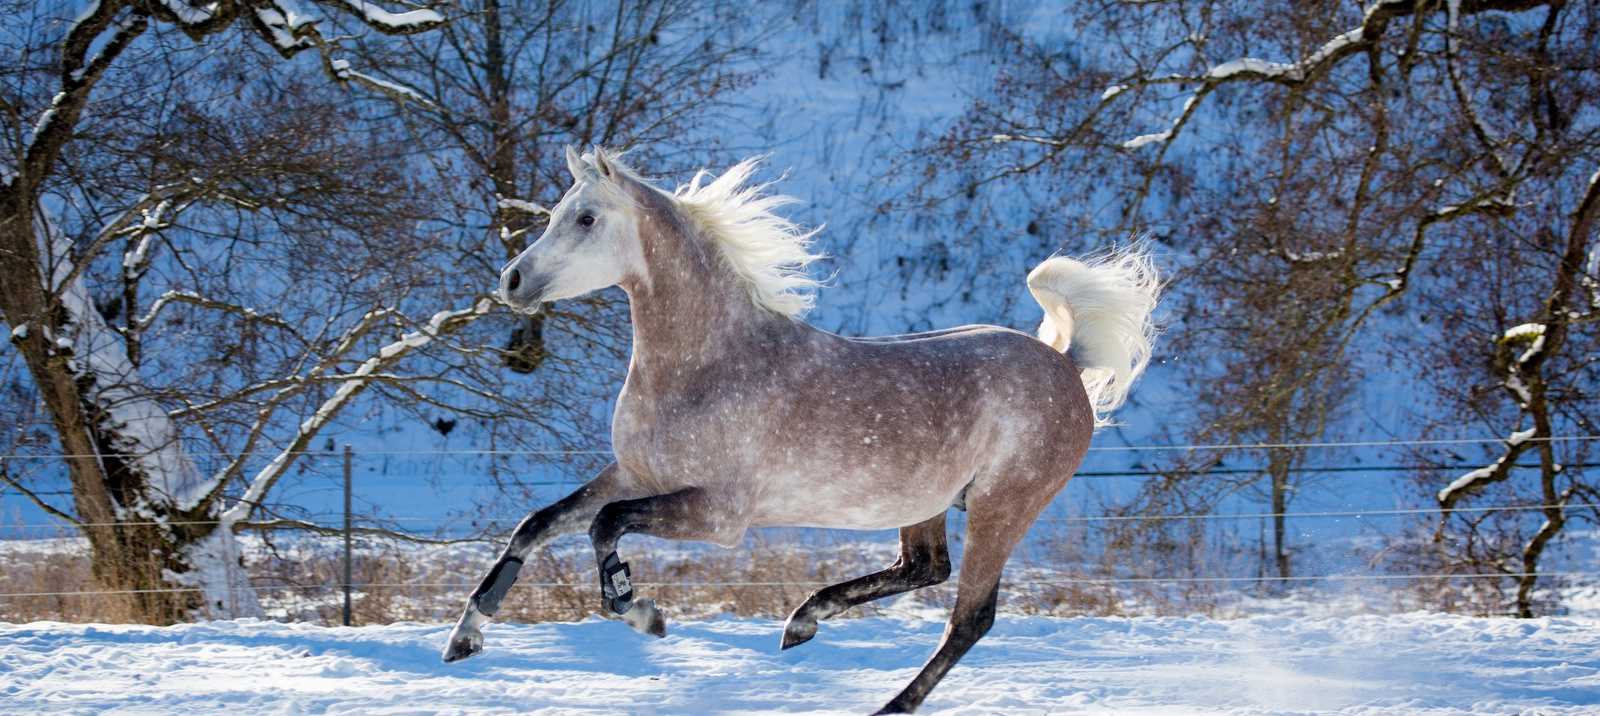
column 768, row 252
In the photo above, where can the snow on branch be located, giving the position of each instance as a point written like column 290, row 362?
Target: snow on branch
column 1496, row 471
column 340, row 70
column 288, row 28
column 1294, row 72
column 1250, row 68
column 153, row 211
column 520, row 206
column 360, row 379
column 194, row 299
column 1047, row 141
column 1521, row 350
column 187, row 13
column 288, row 524
column 409, row 21
column 80, row 70
column 1374, row 22
column 145, row 436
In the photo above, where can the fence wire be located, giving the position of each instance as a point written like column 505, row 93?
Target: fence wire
column 1194, row 447
column 1076, row 518
column 1033, row 581
column 371, row 532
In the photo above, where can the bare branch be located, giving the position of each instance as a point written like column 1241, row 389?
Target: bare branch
column 288, row 524
column 38, row 501
column 441, row 323
column 194, row 299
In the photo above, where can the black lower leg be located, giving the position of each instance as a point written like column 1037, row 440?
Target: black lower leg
column 675, row 515
column 495, row 584
column 965, row 630
column 924, row 561
column 492, row 590
column 914, row 570
column 616, row 584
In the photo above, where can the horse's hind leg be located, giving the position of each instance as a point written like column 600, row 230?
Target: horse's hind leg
column 924, row 561
column 688, row 514
column 995, row 524
column 569, row 514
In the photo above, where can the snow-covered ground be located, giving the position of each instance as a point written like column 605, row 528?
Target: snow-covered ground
column 1413, row 663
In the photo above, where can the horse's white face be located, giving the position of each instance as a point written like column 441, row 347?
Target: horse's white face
column 592, row 242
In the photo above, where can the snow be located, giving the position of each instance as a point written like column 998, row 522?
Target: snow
column 278, row 25
column 522, row 205
column 1521, row 436
column 1248, row 64
column 378, row 16
column 1311, row 256
column 97, row 351
column 49, row 114
column 395, row 88
column 190, row 14
column 1523, row 332
column 1415, row 663
column 1292, row 71
column 1144, row 139
column 1471, row 478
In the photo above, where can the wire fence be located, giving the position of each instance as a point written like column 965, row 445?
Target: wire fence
column 823, row 583
column 372, row 526
column 1147, row 517
column 604, row 451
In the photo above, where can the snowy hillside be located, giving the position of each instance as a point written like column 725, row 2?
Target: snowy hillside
column 1415, row 664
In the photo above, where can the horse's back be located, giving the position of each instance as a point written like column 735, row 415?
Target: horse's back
column 984, row 370
column 912, row 420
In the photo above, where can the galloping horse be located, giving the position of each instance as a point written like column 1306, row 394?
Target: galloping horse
column 736, row 414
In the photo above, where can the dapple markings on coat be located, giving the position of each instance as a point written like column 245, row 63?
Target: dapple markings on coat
column 737, row 414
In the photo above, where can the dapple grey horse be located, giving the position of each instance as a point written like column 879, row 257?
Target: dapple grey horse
column 736, row 414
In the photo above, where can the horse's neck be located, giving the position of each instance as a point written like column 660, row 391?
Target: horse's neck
column 690, row 312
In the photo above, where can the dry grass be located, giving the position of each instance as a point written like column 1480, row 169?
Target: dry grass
column 37, row 567
column 299, row 579
column 1063, row 573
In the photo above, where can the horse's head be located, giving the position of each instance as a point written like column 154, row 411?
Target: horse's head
column 712, row 229
column 591, row 242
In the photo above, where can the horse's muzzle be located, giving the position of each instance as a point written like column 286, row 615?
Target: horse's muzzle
column 521, row 290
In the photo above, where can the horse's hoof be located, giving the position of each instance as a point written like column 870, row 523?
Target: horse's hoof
column 645, row 618
column 462, row 645
column 798, row 631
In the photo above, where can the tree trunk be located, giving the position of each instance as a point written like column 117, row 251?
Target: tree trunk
column 525, row 349
column 1280, row 505
column 135, row 491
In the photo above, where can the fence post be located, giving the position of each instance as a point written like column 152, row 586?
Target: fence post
column 347, row 567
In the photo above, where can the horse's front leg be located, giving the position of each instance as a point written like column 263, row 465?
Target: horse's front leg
column 688, row 514
column 568, row 515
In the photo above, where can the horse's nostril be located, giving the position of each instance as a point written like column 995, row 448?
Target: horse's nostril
column 514, row 280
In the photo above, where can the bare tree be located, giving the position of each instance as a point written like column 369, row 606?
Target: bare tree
column 122, row 174
column 1317, row 172
column 233, row 254
column 1540, row 377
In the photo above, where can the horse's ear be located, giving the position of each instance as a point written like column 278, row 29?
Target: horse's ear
column 602, row 161
column 575, row 164
column 606, row 166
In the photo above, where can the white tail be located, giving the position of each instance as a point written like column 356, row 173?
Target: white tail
column 1099, row 309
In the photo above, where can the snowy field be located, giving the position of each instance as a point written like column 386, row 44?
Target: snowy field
column 1413, row 664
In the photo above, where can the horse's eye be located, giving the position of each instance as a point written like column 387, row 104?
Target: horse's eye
column 586, row 220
